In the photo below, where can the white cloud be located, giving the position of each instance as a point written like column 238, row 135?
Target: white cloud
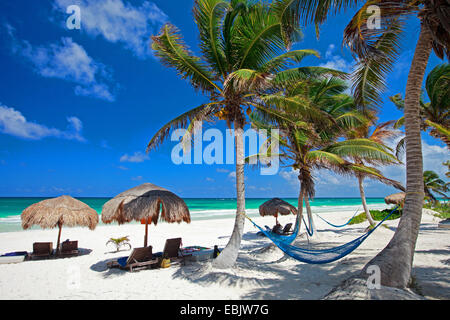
column 138, row 178
column 336, row 62
column 209, row 179
column 12, row 122
column 222, row 170
column 69, row 61
column 118, row 21
column 232, row 175
column 136, row 157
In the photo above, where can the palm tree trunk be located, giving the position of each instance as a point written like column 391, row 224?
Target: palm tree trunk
column 299, row 210
column 363, row 200
column 310, row 218
column 229, row 254
column 395, row 261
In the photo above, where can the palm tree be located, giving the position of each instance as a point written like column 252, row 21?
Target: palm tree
column 243, row 48
column 311, row 117
column 380, row 134
column 432, row 183
column 377, row 50
column 435, row 115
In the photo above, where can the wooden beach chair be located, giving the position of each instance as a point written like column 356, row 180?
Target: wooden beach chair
column 287, row 229
column 42, row 250
column 138, row 259
column 172, row 251
column 277, row 229
column 69, row 248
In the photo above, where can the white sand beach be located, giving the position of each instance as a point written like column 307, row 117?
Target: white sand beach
column 257, row 274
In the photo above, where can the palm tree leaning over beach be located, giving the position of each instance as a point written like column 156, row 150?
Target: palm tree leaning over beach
column 244, row 51
column 381, row 134
column 312, row 117
column 435, row 115
column 377, row 48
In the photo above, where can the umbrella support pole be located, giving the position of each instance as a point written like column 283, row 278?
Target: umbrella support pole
column 59, row 238
column 146, row 233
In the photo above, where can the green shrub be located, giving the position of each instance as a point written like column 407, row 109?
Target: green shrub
column 377, row 215
column 442, row 208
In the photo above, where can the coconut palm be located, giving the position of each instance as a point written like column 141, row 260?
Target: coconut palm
column 311, row 117
column 433, row 184
column 435, row 115
column 377, row 49
column 243, row 47
column 381, row 134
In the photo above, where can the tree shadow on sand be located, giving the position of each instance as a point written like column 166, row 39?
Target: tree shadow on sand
column 106, row 272
column 262, row 276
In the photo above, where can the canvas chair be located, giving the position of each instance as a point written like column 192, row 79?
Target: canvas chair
column 287, row 229
column 139, row 258
column 69, row 248
column 42, row 250
column 277, row 229
column 171, row 251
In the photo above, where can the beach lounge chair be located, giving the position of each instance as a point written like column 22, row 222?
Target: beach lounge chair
column 42, row 250
column 139, row 258
column 287, row 229
column 171, row 251
column 69, row 248
column 277, row 229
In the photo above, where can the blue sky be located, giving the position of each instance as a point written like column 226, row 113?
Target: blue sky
column 78, row 107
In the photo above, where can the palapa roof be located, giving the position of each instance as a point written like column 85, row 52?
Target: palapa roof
column 276, row 206
column 396, row 198
column 65, row 209
column 144, row 202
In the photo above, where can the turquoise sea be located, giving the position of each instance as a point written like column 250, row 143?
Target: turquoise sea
column 200, row 208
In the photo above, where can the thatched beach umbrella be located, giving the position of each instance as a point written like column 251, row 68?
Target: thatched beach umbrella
column 396, row 198
column 145, row 203
column 276, row 206
column 57, row 212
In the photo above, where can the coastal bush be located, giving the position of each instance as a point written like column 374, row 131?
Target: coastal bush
column 377, row 215
column 442, row 208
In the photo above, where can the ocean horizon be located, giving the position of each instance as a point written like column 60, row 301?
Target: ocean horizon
column 200, row 208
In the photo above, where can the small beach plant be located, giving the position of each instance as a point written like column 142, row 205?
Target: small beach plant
column 120, row 242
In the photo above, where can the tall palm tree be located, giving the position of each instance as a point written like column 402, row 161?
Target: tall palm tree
column 243, row 47
column 377, row 50
column 381, row 134
column 311, row 117
column 435, row 115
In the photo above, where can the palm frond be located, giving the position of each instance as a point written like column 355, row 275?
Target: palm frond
column 208, row 15
column 173, row 52
column 377, row 51
column 287, row 59
column 289, row 77
column 199, row 113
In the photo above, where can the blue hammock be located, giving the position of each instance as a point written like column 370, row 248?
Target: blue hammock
column 319, row 256
column 289, row 238
column 336, row 225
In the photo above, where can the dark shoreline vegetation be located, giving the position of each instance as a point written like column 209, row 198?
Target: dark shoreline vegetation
column 442, row 209
column 377, row 215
